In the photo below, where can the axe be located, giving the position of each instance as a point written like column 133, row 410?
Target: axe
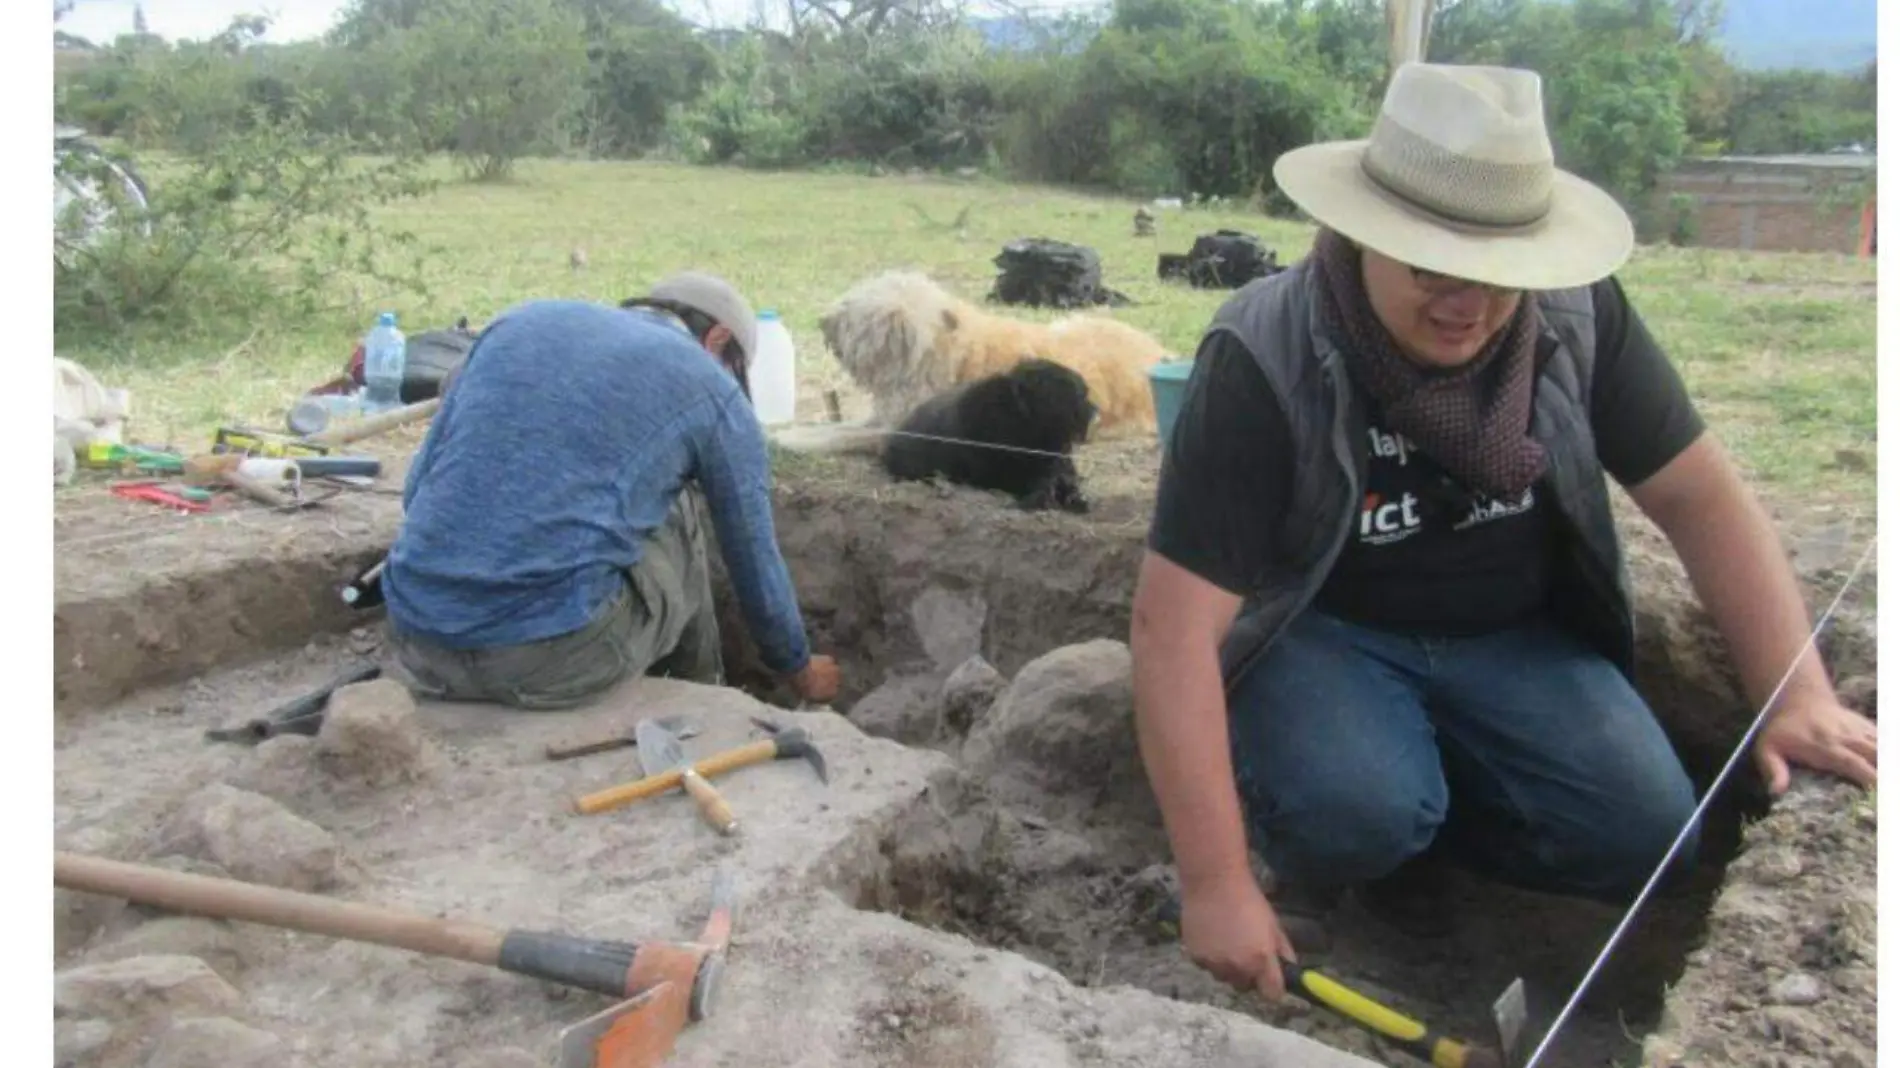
column 664, row 984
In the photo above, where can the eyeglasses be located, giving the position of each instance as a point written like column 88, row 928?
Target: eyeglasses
column 1443, row 285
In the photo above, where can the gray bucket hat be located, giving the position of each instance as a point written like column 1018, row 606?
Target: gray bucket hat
column 715, row 297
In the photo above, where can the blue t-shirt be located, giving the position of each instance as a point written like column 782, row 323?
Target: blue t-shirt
column 571, row 429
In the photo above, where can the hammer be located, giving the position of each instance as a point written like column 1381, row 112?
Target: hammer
column 784, row 744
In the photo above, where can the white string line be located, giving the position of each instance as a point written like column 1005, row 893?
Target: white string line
column 1695, row 817
column 963, row 441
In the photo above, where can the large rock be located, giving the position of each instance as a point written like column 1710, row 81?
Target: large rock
column 215, row 942
column 137, row 999
column 370, row 733
column 79, row 1041
column 1060, row 741
column 283, row 769
column 200, row 1042
column 255, row 839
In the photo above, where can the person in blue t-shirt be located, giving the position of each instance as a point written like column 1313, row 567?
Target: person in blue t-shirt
column 552, row 542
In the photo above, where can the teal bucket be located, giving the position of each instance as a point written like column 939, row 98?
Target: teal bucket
column 1168, row 381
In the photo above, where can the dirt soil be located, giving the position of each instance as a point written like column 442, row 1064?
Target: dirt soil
column 946, row 607
column 472, row 823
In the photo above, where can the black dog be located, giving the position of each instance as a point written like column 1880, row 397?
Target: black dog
column 1037, row 405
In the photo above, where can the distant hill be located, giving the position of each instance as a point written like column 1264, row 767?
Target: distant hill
column 1837, row 35
column 1809, row 34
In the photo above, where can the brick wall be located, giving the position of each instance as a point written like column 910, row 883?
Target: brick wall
column 1779, row 207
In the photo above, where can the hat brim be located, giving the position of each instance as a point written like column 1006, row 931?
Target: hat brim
column 1584, row 237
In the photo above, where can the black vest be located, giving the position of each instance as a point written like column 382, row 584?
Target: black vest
column 1276, row 320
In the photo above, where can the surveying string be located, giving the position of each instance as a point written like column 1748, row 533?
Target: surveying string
column 1700, row 809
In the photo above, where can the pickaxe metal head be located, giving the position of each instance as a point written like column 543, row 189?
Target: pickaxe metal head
column 1509, row 1013
column 792, row 743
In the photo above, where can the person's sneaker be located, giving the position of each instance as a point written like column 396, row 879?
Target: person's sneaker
column 1415, row 899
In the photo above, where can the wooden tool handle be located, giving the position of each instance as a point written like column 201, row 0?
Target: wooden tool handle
column 370, row 426
column 568, row 752
column 259, row 490
column 711, row 805
column 231, row 899
column 614, row 796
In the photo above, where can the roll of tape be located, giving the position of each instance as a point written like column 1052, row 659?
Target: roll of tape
column 269, row 469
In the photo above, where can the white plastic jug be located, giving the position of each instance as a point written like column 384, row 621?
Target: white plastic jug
column 773, row 372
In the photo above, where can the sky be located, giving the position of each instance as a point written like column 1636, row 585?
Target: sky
column 101, row 21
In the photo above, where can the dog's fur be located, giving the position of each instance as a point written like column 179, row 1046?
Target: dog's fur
column 904, row 339
column 1037, row 404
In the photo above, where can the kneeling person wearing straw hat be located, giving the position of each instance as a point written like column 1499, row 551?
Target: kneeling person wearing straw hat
column 1383, row 618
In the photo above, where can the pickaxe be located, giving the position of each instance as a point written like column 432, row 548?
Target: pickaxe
column 664, row 984
column 784, row 744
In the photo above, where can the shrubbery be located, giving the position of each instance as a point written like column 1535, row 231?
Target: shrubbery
column 1155, row 97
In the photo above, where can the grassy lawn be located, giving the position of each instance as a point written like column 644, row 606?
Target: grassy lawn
column 1779, row 349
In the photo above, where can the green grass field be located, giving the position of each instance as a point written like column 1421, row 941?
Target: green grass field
column 1778, row 349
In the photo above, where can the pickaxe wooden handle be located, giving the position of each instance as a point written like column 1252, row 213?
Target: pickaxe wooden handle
column 782, row 745
column 718, row 764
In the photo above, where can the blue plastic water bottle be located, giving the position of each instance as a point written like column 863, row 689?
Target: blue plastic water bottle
column 385, row 351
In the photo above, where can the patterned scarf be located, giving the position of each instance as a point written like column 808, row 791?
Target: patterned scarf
column 1475, row 419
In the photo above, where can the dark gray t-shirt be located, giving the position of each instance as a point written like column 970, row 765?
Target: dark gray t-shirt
column 1426, row 555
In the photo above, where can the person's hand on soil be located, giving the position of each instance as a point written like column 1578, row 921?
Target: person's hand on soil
column 1819, row 733
column 818, row 682
column 1230, row 930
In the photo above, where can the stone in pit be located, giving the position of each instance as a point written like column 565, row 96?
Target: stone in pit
column 902, row 708
column 370, row 733
column 967, row 695
column 199, row 1042
column 255, row 839
column 949, row 625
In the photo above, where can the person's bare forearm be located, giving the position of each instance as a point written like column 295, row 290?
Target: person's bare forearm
column 1741, row 574
column 1181, row 728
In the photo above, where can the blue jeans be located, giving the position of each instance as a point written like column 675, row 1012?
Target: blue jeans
column 1539, row 762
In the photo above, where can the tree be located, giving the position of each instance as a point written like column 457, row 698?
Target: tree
column 491, row 81
column 138, row 21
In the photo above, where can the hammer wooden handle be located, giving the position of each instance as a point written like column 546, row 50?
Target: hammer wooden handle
column 372, row 425
column 711, row 805
column 732, row 759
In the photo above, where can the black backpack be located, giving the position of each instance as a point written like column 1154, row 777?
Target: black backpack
column 1043, row 273
column 1224, row 259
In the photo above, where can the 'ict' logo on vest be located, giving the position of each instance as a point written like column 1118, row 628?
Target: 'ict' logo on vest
column 1382, row 522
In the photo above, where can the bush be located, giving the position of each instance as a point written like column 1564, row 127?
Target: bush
column 269, row 221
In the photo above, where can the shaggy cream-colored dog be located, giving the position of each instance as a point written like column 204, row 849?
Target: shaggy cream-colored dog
column 904, row 339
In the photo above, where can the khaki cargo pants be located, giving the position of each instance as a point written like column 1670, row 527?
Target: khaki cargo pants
column 660, row 623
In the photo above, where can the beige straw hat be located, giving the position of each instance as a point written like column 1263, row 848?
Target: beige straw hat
column 1458, row 177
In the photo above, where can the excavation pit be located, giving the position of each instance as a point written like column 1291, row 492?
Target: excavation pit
column 997, row 907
